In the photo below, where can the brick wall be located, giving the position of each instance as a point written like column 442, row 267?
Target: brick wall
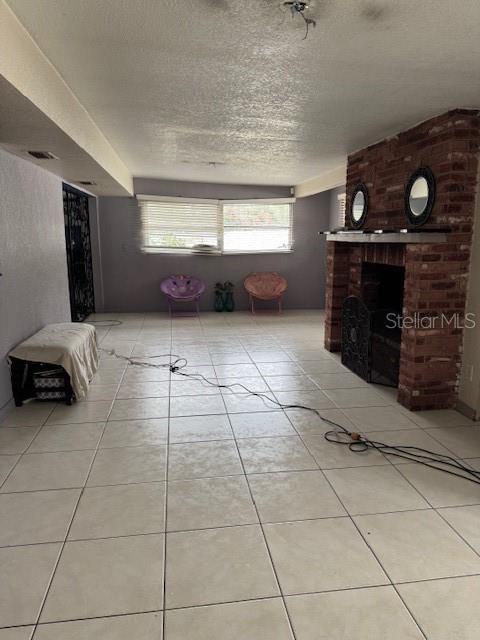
column 435, row 275
column 448, row 144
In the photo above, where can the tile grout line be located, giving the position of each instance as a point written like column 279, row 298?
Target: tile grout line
column 63, row 544
column 225, row 526
column 364, row 540
column 380, row 564
column 165, row 508
column 245, row 475
column 62, row 547
column 394, row 585
column 454, row 455
column 287, row 613
column 260, row 524
column 165, row 484
column 20, row 456
column 226, row 602
column 436, row 510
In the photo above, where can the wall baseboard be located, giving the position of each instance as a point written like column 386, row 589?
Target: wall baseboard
column 466, row 410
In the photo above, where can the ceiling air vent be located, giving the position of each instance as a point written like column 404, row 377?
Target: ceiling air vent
column 87, row 183
column 42, row 155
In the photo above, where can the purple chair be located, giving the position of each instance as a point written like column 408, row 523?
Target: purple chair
column 182, row 288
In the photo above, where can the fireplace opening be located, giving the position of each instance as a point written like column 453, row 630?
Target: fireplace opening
column 371, row 335
column 382, row 286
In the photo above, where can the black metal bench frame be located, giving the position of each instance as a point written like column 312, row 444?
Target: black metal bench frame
column 22, row 371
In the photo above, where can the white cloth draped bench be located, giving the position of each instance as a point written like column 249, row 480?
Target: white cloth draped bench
column 70, row 345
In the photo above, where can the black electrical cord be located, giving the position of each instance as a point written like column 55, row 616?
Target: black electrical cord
column 357, row 443
column 360, row 443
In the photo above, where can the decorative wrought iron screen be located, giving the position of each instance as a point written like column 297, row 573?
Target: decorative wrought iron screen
column 79, row 253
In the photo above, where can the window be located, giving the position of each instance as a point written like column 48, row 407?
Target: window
column 342, row 204
column 177, row 224
column 180, row 225
column 257, row 226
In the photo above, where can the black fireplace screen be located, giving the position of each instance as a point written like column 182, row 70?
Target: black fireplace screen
column 356, row 337
column 371, row 335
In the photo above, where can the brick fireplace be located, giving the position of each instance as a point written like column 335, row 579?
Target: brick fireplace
column 436, row 272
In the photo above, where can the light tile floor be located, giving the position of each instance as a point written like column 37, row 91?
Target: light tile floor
column 161, row 508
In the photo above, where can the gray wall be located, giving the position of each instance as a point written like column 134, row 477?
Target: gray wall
column 34, row 284
column 131, row 278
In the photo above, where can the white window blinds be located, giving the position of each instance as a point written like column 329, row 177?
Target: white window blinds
column 177, row 224
column 182, row 225
column 342, row 203
column 257, row 226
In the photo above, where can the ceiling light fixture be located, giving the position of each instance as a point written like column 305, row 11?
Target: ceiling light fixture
column 298, row 8
column 206, row 163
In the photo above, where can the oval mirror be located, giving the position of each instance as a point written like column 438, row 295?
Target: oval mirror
column 420, row 195
column 359, row 204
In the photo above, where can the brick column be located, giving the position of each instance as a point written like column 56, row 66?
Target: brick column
column 430, row 357
column 337, row 277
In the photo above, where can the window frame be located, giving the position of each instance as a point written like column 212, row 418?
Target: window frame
column 174, row 199
column 290, row 201
column 220, row 225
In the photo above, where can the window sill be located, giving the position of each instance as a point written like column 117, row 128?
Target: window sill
column 250, row 253
column 215, row 254
column 180, row 252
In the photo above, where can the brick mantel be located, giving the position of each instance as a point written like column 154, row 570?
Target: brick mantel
column 435, row 272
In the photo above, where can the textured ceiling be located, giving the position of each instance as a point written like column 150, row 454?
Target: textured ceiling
column 176, row 84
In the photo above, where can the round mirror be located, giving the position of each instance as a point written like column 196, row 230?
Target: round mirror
column 419, row 196
column 359, row 205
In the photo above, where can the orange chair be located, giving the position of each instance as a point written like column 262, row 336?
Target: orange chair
column 265, row 285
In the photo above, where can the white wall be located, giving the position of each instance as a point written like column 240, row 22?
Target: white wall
column 469, row 389
column 34, row 284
